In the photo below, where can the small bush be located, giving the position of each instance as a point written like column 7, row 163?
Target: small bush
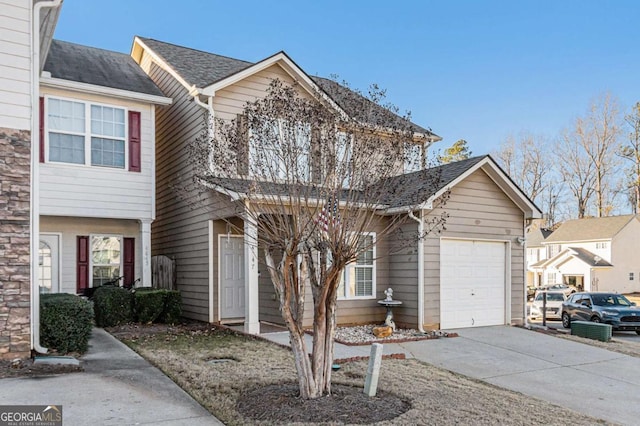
column 155, row 305
column 65, row 322
column 149, row 305
column 172, row 307
column 113, row 306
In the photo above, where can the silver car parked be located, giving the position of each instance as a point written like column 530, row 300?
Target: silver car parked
column 607, row 308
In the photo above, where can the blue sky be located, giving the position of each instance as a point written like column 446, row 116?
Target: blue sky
column 474, row 70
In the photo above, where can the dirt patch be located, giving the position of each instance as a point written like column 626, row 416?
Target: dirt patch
column 262, row 374
column 281, row 404
column 26, row 368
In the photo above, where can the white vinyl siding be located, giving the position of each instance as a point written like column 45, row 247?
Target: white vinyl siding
column 70, row 228
column 92, row 191
column 15, row 64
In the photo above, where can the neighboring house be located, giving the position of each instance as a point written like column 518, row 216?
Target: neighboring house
column 471, row 274
column 78, row 169
column 536, row 251
column 97, row 171
column 594, row 254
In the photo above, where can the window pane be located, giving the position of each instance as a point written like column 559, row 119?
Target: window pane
column 66, row 116
column 105, row 250
column 66, row 148
column 364, row 281
column 45, row 277
column 103, row 274
column 107, row 152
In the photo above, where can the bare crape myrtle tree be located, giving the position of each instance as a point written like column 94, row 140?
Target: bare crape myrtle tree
column 318, row 177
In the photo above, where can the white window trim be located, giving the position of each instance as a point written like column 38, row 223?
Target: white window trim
column 373, row 275
column 87, row 134
column 91, row 236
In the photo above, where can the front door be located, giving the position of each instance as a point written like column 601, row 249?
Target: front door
column 231, row 277
column 49, row 263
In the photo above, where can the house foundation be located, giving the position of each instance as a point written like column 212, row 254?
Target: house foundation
column 15, row 287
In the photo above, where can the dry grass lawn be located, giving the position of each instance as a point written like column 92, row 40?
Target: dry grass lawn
column 192, row 357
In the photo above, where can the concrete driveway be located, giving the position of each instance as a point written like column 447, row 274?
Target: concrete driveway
column 581, row 377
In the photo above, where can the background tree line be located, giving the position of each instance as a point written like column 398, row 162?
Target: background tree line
column 592, row 168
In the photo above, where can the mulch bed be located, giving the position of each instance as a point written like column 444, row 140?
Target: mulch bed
column 280, row 403
column 26, row 368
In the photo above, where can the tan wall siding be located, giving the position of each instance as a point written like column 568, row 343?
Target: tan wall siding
column 15, row 64
column 71, row 227
column 86, row 191
column 477, row 209
column 181, row 230
column 403, row 274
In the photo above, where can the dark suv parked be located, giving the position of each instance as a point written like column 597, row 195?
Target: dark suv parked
column 607, row 308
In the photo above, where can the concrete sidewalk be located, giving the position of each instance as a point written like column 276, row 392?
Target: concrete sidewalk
column 118, row 387
column 578, row 376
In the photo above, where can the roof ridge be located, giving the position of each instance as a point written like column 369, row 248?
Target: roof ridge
column 90, row 47
column 199, row 50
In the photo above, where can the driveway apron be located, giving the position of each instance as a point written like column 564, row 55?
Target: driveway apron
column 578, row 376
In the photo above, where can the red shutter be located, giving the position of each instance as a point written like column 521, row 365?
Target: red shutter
column 129, row 257
column 82, row 268
column 134, row 141
column 41, row 112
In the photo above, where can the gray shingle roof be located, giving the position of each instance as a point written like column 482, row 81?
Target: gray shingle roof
column 589, row 229
column 536, row 236
column 415, row 188
column 203, row 69
column 195, row 66
column 406, row 190
column 84, row 64
column 589, row 258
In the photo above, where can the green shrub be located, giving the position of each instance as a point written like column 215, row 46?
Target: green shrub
column 65, row 322
column 155, row 305
column 149, row 305
column 172, row 307
column 113, row 306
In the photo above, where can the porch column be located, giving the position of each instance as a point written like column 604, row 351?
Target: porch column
column 145, row 244
column 251, row 321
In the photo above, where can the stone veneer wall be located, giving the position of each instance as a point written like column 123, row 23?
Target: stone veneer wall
column 15, row 332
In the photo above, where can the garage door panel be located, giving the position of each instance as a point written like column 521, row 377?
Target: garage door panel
column 473, row 279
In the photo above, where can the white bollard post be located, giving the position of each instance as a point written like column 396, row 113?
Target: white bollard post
column 373, row 371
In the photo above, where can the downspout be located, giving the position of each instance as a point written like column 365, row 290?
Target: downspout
column 195, row 93
column 420, row 268
column 34, row 244
column 524, row 247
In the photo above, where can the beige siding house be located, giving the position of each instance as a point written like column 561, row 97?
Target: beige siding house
column 26, row 28
column 472, row 274
column 595, row 254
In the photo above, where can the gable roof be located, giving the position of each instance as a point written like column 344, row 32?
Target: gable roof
column 589, row 229
column 208, row 70
column 591, row 259
column 536, row 236
column 412, row 190
column 99, row 67
column 197, row 67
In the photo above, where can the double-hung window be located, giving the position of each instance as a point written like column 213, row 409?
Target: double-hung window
column 413, row 157
column 105, row 258
column 85, row 133
column 359, row 280
column 280, row 150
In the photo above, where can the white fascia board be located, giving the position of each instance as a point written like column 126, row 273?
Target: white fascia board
column 286, row 64
column 159, row 61
column 593, row 240
column 58, row 83
column 514, row 193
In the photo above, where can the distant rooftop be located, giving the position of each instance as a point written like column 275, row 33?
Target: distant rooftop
column 589, row 229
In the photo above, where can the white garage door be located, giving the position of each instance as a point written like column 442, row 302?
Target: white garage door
column 472, row 283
